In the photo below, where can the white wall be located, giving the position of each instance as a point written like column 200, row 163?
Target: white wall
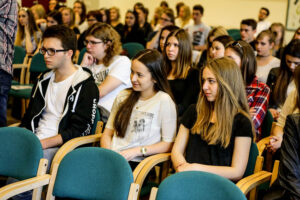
column 227, row 13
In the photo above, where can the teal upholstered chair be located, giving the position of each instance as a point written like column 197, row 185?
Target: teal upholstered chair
column 196, row 185
column 234, row 33
column 132, row 48
column 19, row 62
column 92, row 173
column 80, row 56
column 20, row 158
column 266, row 125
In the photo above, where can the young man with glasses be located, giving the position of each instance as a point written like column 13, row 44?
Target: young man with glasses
column 64, row 100
column 198, row 31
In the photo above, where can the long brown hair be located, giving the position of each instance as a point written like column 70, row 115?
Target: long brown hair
column 231, row 99
column 285, row 74
column 184, row 56
column 153, row 60
column 297, row 83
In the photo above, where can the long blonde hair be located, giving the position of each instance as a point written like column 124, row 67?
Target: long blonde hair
column 231, row 99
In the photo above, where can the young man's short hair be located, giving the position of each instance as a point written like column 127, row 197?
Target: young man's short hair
column 250, row 22
column 199, row 7
column 266, row 9
column 66, row 36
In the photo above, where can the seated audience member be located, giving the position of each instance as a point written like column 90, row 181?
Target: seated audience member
column 110, row 70
column 291, row 106
column 164, row 5
column 62, row 104
column 155, row 21
column 247, row 31
column 262, row 24
column 114, row 19
column 142, row 21
column 278, row 31
column 143, row 118
column 183, row 79
column 53, row 5
column 184, row 19
column 138, row 5
column 178, row 5
column 28, row 35
column 105, row 15
column 265, row 60
column 68, row 18
column 92, row 17
column 132, row 31
column 217, row 49
column 216, row 134
column 54, row 18
column 163, row 36
column 198, row 31
column 206, row 54
column 257, row 92
column 281, row 79
column 166, row 19
column 287, row 184
column 297, row 34
column 39, row 14
column 79, row 9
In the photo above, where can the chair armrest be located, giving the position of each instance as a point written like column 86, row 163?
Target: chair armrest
column 248, row 183
column 142, row 171
column 22, row 186
column 15, row 124
column 73, row 144
column 262, row 144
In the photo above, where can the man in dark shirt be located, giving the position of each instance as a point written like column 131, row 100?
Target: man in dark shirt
column 247, row 30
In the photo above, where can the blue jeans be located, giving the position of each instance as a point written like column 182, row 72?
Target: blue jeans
column 5, row 83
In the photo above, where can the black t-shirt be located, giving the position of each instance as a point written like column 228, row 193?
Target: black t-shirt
column 185, row 91
column 198, row 150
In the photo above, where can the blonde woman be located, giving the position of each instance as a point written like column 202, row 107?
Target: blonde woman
column 184, row 19
column 216, row 134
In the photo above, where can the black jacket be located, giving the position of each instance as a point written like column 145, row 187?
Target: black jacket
column 79, row 107
column 289, row 168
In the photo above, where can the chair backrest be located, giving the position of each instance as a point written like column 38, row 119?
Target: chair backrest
column 132, row 48
column 93, row 173
column 19, row 55
column 81, row 54
column 20, row 153
column 196, row 185
column 97, row 118
column 266, row 125
column 252, row 160
column 234, row 33
column 38, row 63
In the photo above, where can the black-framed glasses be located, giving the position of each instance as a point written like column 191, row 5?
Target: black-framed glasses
column 51, row 51
column 91, row 42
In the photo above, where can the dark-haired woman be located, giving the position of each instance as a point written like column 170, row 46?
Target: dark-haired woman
column 143, row 118
column 132, row 32
column 281, row 80
column 257, row 92
column 183, row 79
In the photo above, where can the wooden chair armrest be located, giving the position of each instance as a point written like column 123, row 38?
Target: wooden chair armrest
column 262, row 144
column 142, row 171
column 13, row 189
column 248, row 183
column 73, row 144
column 15, row 124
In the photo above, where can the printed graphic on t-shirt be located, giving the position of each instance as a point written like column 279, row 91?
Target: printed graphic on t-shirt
column 100, row 77
column 197, row 37
column 140, row 124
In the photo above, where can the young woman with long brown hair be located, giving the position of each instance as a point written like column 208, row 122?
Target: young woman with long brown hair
column 143, row 118
column 216, row 134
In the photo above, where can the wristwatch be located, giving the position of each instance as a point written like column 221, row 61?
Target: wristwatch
column 143, row 151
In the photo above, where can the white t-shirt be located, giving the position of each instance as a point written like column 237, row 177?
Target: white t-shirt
column 54, row 101
column 179, row 23
column 198, row 33
column 120, row 69
column 263, row 71
column 151, row 121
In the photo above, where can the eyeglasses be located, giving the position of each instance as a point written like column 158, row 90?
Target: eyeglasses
column 165, row 19
column 51, row 51
column 91, row 42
